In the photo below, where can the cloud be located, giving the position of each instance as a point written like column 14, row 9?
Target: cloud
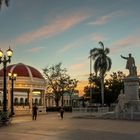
column 37, row 49
column 58, row 25
column 126, row 42
column 79, row 66
column 77, row 43
column 97, row 37
column 106, row 18
column 83, row 41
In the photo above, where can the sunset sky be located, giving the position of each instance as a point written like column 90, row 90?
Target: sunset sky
column 45, row 32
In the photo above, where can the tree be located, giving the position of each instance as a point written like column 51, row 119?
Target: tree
column 113, row 86
column 6, row 2
column 102, row 64
column 58, row 81
column 94, row 87
column 72, row 84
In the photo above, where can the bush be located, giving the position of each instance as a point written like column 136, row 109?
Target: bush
column 55, row 109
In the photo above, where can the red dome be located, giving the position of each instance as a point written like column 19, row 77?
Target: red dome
column 23, row 70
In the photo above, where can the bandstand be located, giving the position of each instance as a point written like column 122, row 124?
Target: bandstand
column 29, row 88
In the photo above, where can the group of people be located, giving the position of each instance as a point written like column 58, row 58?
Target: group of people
column 35, row 108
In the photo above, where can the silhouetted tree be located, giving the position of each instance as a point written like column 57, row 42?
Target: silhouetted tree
column 94, row 88
column 72, row 84
column 58, row 81
column 102, row 64
column 113, row 86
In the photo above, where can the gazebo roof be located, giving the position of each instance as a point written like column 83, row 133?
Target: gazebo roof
column 23, row 70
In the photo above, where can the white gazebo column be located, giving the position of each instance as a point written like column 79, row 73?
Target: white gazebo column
column 30, row 99
column 43, row 96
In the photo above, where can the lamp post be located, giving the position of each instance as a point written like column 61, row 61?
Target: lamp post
column 90, row 57
column 5, row 60
column 12, row 77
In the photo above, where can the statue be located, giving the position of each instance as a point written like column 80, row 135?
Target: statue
column 122, row 100
column 130, row 65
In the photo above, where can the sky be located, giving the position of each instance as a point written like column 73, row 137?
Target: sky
column 45, row 32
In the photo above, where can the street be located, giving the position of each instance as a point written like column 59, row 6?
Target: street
column 51, row 127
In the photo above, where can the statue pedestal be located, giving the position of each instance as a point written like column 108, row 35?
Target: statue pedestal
column 134, row 106
column 131, row 88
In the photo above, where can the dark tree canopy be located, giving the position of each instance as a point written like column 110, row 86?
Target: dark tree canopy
column 102, row 63
column 112, row 87
column 58, row 81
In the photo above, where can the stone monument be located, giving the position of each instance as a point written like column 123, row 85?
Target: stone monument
column 122, row 100
column 131, row 83
column 128, row 106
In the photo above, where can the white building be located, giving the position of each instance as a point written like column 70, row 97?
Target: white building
column 68, row 100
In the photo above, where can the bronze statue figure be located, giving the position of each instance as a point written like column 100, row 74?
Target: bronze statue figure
column 130, row 65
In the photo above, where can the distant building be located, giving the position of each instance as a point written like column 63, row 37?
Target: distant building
column 68, row 100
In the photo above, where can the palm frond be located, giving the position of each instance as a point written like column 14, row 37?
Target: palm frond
column 102, row 62
column 107, row 51
column 101, row 43
column 109, row 63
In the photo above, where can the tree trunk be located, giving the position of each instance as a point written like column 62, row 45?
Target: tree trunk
column 62, row 99
column 70, row 100
column 102, row 90
column 57, row 103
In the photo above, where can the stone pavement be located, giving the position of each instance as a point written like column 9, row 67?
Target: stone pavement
column 51, row 127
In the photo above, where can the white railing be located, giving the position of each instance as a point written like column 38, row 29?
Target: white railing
column 97, row 111
column 104, row 112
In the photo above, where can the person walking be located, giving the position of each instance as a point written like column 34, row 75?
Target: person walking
column 34, row 115
column 61, row 112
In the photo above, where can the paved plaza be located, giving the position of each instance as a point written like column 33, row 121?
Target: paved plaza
column 51, row 127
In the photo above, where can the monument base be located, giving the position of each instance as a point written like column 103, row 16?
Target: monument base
column 131, row 88
column 133, row 106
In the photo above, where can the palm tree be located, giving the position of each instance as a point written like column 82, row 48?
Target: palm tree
column 5, row 1
column 102, row 64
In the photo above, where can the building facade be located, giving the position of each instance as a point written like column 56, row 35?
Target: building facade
column 29, row 88
column 68, row 100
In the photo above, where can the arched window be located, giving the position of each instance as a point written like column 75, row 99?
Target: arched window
column 21, row 101
column 26, row 101
column 52, row 102
column 0, row 103
column 40, row 101
column 16, row 101
column 36, row 101
column 32, row 101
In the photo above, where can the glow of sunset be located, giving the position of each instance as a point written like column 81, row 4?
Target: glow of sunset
column 45, row 32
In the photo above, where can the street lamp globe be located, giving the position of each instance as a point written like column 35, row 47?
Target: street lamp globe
column 14, row 75
column 9, row 52
column 1, row 53
column 9, row 74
